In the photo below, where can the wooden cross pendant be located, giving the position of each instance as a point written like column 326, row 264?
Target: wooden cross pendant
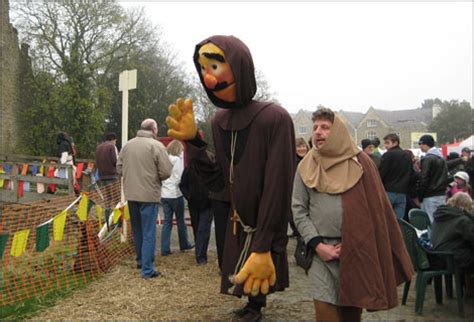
column 235, row 219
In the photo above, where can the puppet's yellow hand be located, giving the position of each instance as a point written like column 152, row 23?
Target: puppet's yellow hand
column 180, row 120
column 258, row 274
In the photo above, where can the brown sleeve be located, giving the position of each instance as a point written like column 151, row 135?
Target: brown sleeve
column 275, row 204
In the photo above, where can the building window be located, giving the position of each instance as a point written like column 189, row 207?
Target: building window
column 302, row 130
column 371, row 135
column 371, row 123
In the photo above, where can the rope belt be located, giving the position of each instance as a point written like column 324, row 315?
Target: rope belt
column 236, row 218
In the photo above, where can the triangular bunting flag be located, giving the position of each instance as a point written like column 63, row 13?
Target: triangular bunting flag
column 19, row 242
column 1, row 180
column 82, row 208
column 24, row 169
column 99, row 211
column 3, row 243
column 126, row 212
column 107, row 216
column 58, row 225
column 34, row 169
column 117, row 214
column 42, row 237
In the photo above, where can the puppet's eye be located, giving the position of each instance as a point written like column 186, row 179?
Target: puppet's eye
column 214, row 66
column 202, row 67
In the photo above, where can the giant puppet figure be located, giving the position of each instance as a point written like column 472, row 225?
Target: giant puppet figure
column 255, row 162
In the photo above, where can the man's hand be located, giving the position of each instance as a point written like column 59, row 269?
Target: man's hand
column 180, row 121
column 328, row 252
column 258, row 274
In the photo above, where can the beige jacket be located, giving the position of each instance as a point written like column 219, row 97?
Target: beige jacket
column 144, row 164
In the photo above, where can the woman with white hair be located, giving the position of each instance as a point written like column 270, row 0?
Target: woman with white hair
column 173, row 201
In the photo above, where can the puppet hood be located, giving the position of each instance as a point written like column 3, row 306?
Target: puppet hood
column 238, row 56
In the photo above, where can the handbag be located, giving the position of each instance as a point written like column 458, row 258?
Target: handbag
column 303, row 255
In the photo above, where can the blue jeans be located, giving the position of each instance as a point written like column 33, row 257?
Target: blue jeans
column 143, row 219
column 399, row 203
column 176, row 206
column 430, row 204
column 203, row 234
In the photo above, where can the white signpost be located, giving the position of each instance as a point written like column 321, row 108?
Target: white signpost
column 127, row 81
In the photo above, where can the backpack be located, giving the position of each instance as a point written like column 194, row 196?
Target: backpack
column 194, row 190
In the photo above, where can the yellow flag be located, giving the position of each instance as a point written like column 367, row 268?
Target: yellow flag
column 99, row 211
column 1, row 180
column 82, row 208
column 126, row 212
column 117, row 214
column 19, row 242
column 58, row 225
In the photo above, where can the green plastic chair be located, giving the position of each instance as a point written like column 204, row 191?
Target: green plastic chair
column 424, row 272
column 419, row 219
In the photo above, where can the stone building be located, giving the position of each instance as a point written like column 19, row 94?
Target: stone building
column 376, row 123
column 14, row 93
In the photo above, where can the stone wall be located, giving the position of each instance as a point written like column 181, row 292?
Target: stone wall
column 14, row 63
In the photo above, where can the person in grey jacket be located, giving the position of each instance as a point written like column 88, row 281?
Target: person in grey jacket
column 144, row 164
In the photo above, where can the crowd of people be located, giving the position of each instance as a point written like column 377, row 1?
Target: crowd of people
column 341, row 200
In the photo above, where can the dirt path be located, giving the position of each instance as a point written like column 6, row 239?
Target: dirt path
column 188, row 291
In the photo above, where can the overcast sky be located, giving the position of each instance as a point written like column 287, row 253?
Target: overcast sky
column 342, row 55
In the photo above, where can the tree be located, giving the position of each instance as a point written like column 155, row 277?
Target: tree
column 454, row 121
column 74, row 46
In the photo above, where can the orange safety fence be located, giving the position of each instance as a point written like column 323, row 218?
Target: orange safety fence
column 67, row 241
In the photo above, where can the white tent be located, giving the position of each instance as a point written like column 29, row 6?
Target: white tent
column 468, row 143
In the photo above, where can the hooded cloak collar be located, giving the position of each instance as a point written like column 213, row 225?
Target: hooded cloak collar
column 333, row 168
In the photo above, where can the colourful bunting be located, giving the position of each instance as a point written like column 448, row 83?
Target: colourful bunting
column 82, row 208
column 99, row 211
column 24, row 170
column 3, row 243
column 34, row 169
column 117, row 214
column 39, row 186
column 1, row 180
column 79, row 169
column 58, row 225
column 126, row 212
column 19, row 242
column 42, row 237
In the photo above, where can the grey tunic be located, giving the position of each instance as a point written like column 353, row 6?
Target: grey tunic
column 319, row 214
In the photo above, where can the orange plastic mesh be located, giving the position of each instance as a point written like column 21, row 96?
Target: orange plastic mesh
column 77, row 259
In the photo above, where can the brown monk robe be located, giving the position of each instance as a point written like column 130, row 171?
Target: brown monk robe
column 264, row 165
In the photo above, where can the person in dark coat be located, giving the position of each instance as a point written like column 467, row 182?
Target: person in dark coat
column 255, row 160
column 197, row 195
column 396, row 171
column 453, row 230
column 368, row 148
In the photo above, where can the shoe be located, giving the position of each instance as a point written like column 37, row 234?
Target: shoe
column 251, row 316
column 139, row 266
column 188, row 248
column 241, row 312
column 153, row 275
column 166, row 254
column 202, row 262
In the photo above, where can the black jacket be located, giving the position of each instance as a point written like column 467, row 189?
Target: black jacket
column 433, row 177
column 453, row 230
column 396, row 170
column 193, row 189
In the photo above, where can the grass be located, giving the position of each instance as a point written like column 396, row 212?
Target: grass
column 27, row 308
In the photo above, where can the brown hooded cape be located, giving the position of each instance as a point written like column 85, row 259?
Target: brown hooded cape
column 373, row 259
column 264, row 164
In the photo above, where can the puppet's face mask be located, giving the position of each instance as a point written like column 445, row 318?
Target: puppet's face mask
column 216, row 72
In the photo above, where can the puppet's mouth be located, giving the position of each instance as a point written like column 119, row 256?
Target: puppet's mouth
column 220, row 86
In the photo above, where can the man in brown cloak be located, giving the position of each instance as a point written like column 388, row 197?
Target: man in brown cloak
column 343, row 213
column 255, row 162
